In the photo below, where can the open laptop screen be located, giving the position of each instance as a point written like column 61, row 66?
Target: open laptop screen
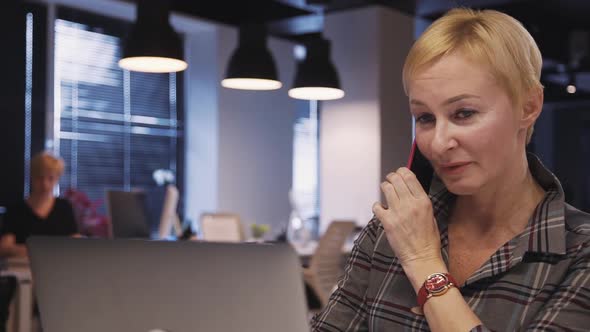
column 97, row 285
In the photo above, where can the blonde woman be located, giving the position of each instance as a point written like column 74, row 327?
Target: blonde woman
column 39, row 214
column 493, row 245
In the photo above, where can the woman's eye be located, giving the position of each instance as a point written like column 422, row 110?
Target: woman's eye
column 424, row 118
column 464, row 114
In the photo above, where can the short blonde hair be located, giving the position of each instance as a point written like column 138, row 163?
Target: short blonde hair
column 488, row 37
column 45, row 162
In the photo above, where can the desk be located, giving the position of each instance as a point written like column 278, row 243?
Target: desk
column 21, row 311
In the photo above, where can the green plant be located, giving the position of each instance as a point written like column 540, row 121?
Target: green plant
column 258, row 230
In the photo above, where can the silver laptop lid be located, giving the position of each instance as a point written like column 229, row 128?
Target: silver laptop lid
column 127, row 285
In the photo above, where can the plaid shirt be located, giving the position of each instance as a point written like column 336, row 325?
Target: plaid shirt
column 539, row 280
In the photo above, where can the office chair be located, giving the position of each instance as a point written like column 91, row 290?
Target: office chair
column 325, row 266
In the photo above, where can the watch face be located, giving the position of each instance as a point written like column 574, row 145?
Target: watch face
column 436, row 282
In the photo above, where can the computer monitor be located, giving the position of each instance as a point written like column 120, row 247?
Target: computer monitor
column 128, row 214
column 149, row 213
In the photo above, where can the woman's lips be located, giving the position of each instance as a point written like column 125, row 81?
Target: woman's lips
column 454, row 168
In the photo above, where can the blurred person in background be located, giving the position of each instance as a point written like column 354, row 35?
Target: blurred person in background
column 39, row 214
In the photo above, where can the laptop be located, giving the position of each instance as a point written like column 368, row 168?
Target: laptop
column 98, row 285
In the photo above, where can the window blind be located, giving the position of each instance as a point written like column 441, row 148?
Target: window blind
column 112, row 127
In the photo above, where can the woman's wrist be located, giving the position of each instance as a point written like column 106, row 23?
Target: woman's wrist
column 418, row 271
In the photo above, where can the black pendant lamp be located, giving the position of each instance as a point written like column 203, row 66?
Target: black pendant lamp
column 152, row 44
column 251, row 66
column 316, row 77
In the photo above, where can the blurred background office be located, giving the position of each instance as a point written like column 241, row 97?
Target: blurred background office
column 265, row 157
column 244, row 151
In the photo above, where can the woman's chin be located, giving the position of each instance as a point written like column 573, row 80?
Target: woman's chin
column 461, row 187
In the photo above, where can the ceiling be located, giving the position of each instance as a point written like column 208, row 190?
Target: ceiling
column 555, row 25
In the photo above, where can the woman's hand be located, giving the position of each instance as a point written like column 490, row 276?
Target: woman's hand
column 9, row 247
column 409, row 224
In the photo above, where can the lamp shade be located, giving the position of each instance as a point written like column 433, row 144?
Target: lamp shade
column 152, row 44
column 251, row 66
column 316, row 77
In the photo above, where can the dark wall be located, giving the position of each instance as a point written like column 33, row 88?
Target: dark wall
column 12, row 101
column 562, row 141
column 572, row 155
column 12, row 93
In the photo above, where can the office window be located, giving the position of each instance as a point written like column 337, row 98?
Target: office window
column 112, row 127
column 28, row 99
column 305, row 191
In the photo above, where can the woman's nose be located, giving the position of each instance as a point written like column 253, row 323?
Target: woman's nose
column 443, row 140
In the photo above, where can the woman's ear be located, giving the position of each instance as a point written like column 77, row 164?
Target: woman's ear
column 533, row 104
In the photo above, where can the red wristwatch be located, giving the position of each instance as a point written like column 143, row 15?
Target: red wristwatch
column 436, row 284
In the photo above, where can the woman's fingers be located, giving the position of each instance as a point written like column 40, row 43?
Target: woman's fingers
column 411, row 182
column 401, row 189
column 404, row 183
column 400, row 186
column 391, row 197
column 379, row 210
column 407, row 217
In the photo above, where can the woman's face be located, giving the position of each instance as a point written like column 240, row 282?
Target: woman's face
column 465, row 123
column 45, row 182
